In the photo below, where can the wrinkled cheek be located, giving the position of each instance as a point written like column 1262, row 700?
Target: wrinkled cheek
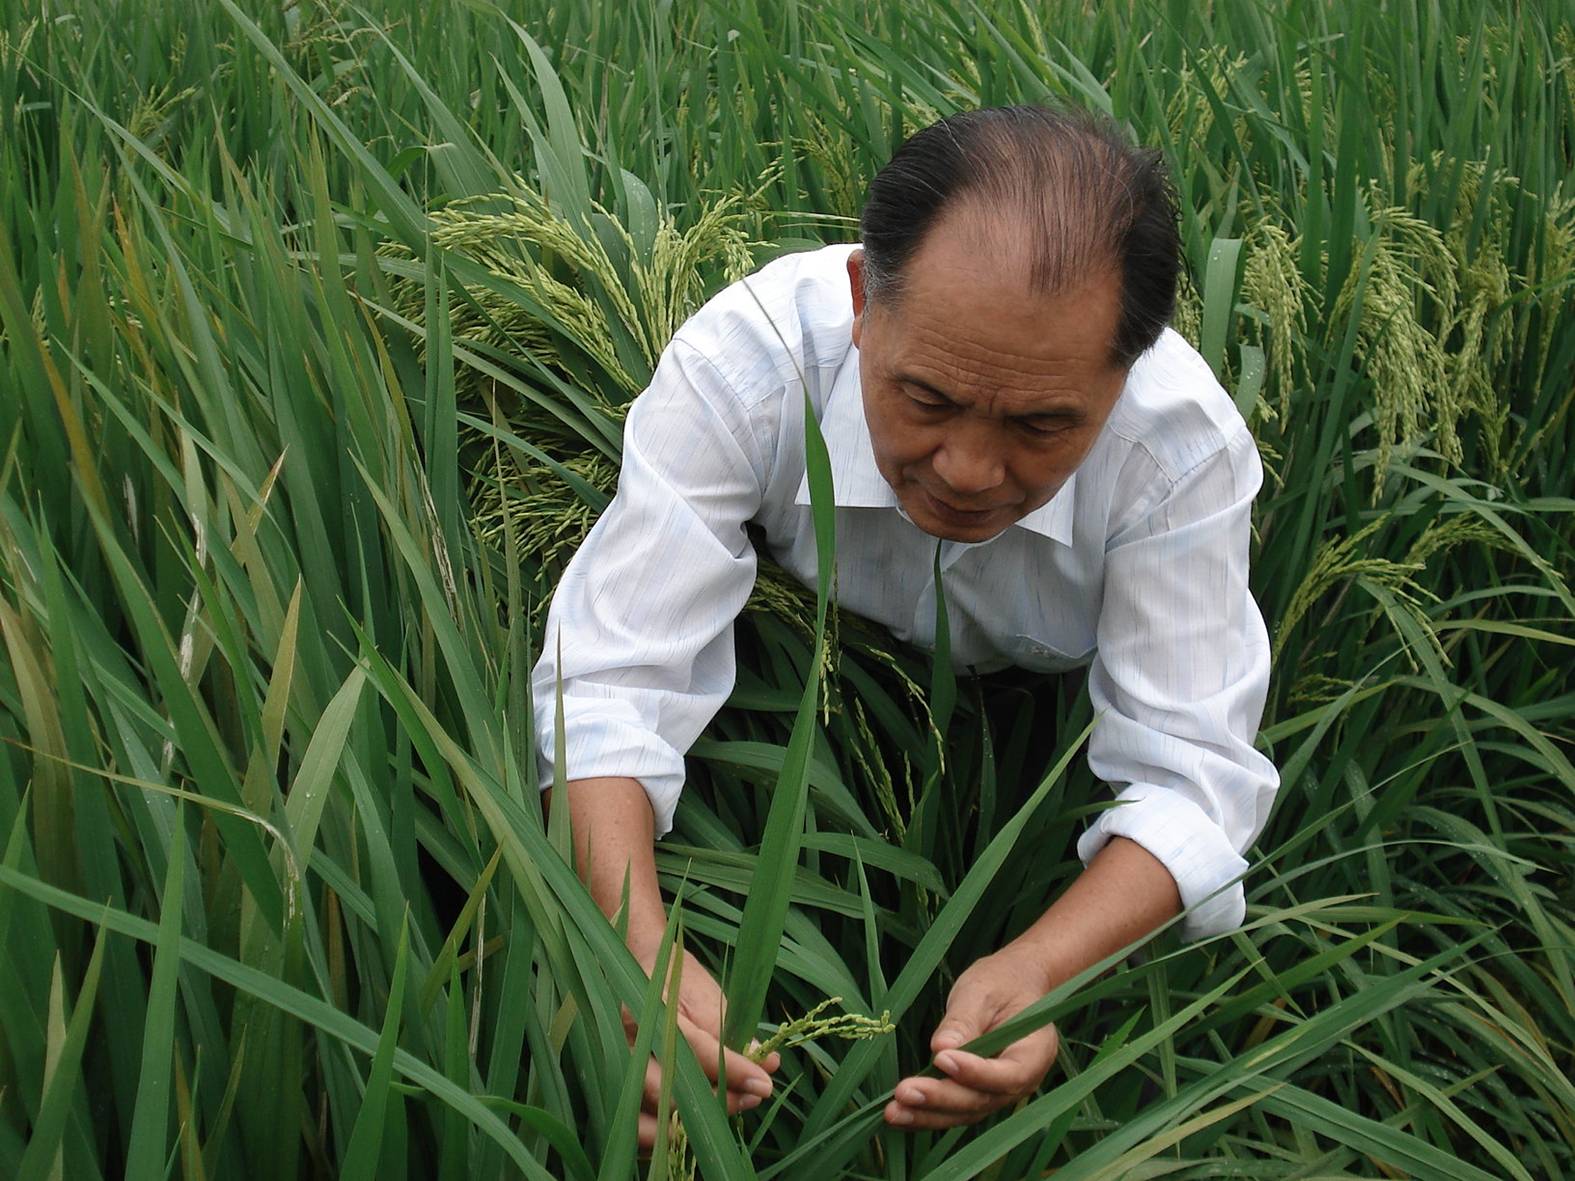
column 894, row 466
column 911, row 458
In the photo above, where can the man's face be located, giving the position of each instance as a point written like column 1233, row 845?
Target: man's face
column 982, row 398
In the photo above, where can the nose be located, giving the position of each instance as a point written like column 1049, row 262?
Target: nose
column 968, row 462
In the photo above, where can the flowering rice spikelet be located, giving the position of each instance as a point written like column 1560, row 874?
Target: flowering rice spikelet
column 812, row 1027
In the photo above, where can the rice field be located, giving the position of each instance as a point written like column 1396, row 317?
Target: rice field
column 318, row 324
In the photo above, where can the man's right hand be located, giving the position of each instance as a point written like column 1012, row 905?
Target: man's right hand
column 613, row 837
column 701, row 1011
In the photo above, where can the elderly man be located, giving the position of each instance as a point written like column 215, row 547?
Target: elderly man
column 992, row 373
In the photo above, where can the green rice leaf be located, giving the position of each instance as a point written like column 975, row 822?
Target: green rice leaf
column 366, row 1137
column 146, row 1155
column 765, row 910
column 288, row 999
column 45, row 1147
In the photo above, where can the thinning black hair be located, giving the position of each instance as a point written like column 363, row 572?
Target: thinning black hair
column 1065, row 185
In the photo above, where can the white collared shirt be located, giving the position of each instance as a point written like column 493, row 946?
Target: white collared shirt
column 1137, row 567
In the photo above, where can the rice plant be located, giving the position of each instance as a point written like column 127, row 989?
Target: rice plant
column 318, row 324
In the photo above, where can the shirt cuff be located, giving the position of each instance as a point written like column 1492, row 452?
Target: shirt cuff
column 600, row 746
column 1182, row 838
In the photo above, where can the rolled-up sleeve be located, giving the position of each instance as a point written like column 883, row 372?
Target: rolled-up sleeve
column 1178, row 684
column 640, row 629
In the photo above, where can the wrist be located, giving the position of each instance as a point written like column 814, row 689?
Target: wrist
column 644, row 941
column 1037, row 957
column 1121, row 896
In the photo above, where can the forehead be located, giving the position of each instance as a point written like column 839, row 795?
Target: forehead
column 969, row 322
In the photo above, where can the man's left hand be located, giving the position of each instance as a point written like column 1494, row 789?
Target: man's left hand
column 996, row 988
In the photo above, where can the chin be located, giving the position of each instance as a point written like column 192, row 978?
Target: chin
column 956, row 533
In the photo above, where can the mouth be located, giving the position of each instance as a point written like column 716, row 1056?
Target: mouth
column 960, row 516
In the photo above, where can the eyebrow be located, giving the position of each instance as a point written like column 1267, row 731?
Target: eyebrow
column 1062, row 413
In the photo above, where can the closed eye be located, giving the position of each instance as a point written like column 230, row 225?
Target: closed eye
column 925, row 400
column 1044, row 427
column 930, row 400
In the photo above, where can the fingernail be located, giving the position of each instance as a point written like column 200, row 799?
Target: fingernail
column 758, row 1086
column 753, row 1047
column 902, row 1117
column 947, row 1062
column 913, row 1095
column 750, row 1102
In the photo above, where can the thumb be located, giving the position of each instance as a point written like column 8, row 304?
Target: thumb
column 966, row 1018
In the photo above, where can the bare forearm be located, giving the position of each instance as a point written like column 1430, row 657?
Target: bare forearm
column 613, row 837
column 1122, row 895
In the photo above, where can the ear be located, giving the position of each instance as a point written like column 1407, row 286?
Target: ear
column 856, row 282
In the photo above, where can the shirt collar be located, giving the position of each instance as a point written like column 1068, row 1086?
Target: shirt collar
column 857, row 482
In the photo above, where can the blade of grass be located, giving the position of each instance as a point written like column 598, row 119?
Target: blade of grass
column 45, row 1147
column 146, row 1156
column 366, row 1137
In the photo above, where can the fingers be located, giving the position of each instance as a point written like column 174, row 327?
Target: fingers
column 748, row 1083
column 972, row 1007
column 770, row 1062
column 742, row 1074
column 651, row 1093
column 1017, row 1070
column 974, row 1086
column 988, row 1076
column 939, row 1103
column 737, row 1103
column 700, row 1014
column 646, row 1137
